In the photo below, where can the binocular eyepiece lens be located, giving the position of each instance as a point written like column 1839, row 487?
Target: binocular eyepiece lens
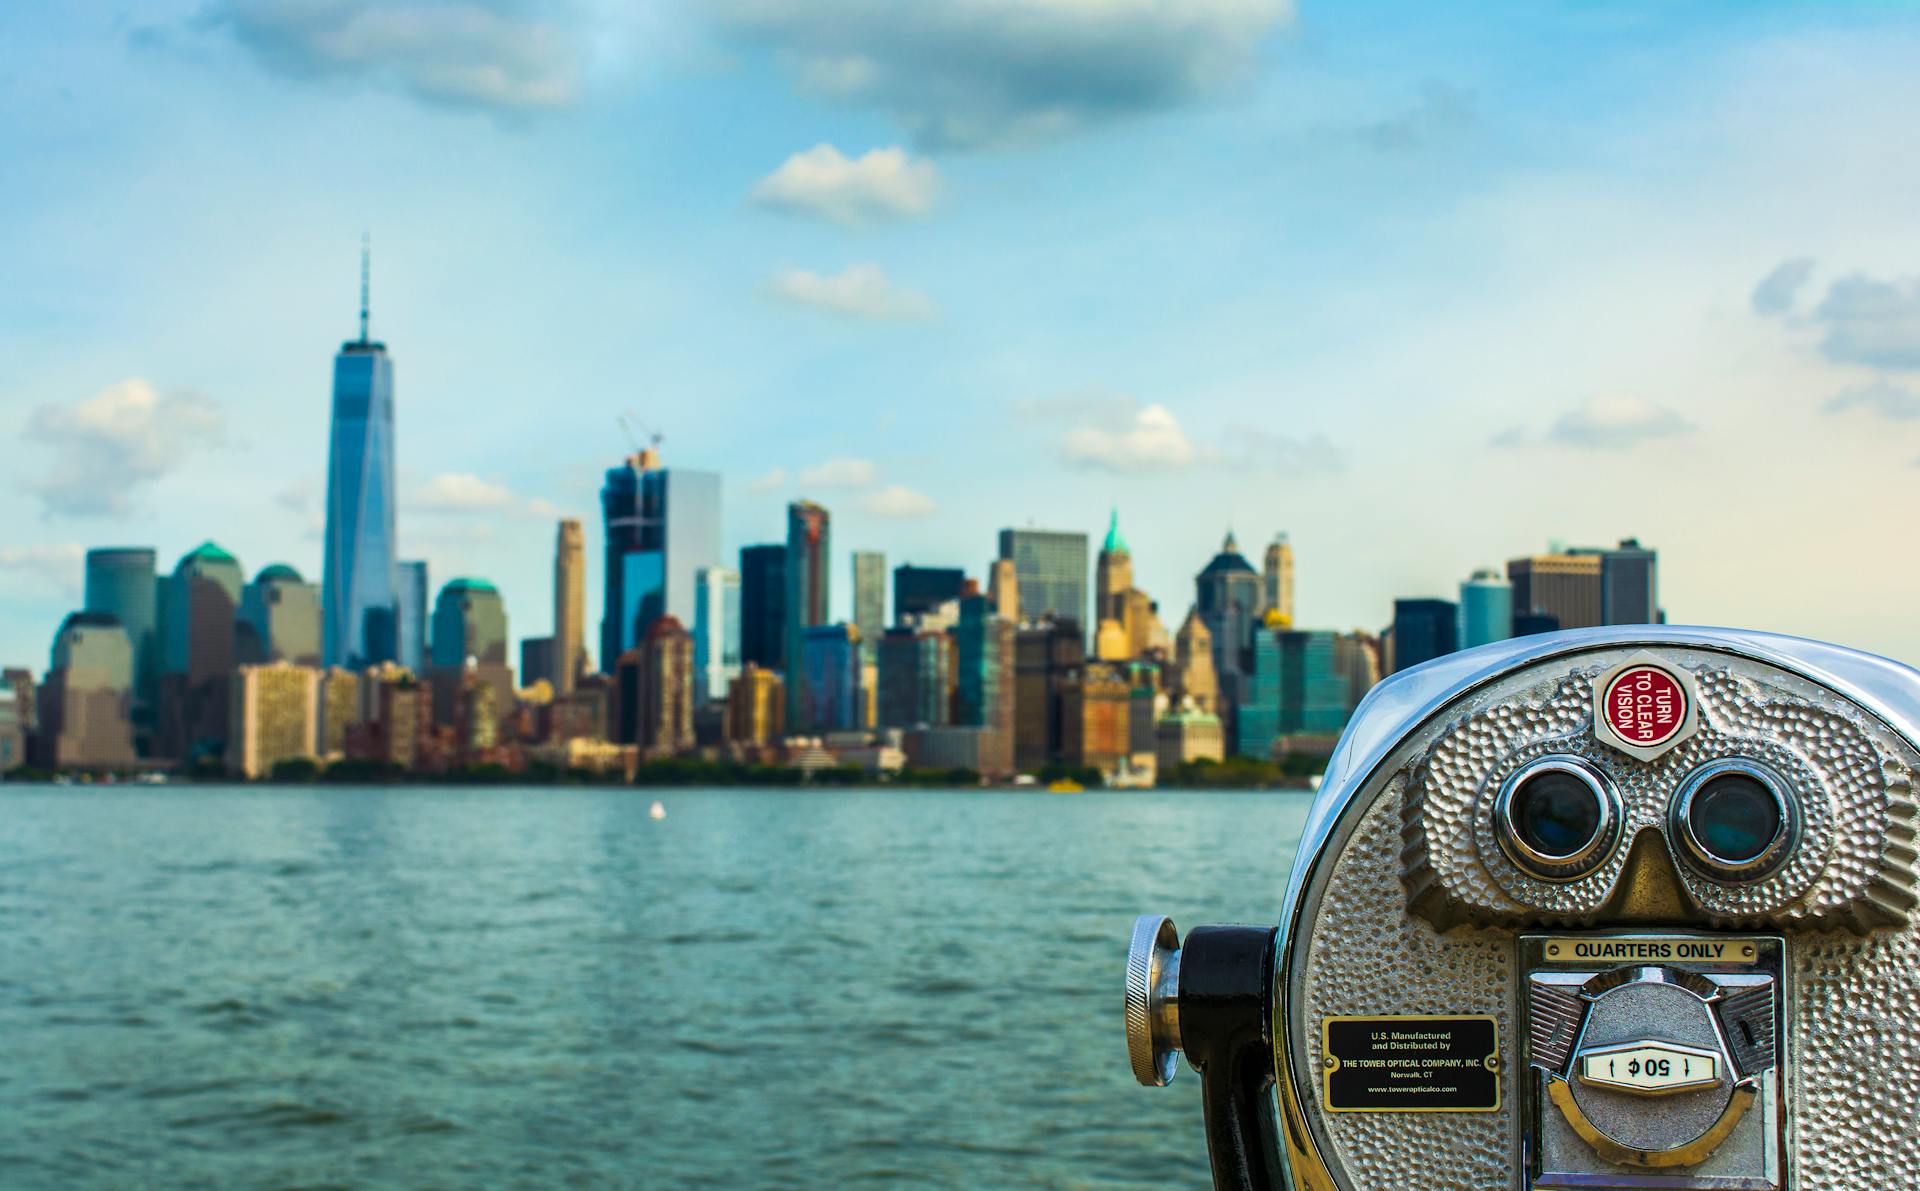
column 1557, row 818
column 1735, row 817
column 1735, row 821
column 1556, row 813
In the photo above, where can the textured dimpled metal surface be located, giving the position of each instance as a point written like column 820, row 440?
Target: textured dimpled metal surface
column 1856, row 1059
column 1369, row 957
column 1849, row 869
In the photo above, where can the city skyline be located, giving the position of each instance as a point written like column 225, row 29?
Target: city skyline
column 940, row 323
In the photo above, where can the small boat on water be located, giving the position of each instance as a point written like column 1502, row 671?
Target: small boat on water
column 657, row 811
column 1065, row 785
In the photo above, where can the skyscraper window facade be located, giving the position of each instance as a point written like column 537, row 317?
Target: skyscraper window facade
column 763, row 606
column 1486, row 609
column 1423, row 630
column 662, row 528
column 1050, row 569
column 1298, row 687
column 922, row 589
column 358, row 577
column 808, row 603
column 122, row 582
column 870, row 599
column 411, row 592
column 716, row 632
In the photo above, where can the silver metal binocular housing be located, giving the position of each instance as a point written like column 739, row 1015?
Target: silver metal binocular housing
column 1613, row 908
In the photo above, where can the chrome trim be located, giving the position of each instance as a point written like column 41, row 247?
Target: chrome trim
column 1702, row 859
column 1583, row 860
column 1404, row 702
column 1153, row 1000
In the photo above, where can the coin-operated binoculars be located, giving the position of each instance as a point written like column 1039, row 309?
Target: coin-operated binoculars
column 1614, row 908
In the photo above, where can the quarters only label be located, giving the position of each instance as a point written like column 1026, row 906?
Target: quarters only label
column 1412, row 1063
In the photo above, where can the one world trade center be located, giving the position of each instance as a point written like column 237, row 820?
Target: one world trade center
column 359, row 584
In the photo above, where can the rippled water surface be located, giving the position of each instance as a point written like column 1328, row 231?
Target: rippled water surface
column 530, row 988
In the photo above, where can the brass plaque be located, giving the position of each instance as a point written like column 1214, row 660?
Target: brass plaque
column 1648, row 949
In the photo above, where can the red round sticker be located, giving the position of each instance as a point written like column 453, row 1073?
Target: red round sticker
column 1645, row 705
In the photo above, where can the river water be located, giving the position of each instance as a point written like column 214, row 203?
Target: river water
column 432, row 987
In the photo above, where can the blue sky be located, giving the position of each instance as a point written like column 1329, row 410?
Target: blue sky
column 1423, row 286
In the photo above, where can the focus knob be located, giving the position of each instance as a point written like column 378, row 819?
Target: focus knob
column 1153, row 1000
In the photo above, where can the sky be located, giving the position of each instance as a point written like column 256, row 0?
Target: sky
column 1424, row 287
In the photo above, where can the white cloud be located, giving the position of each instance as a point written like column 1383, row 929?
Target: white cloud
column 1615, row 423
column 457, row 52
column 877, row 186
column 1890, row 401
column 842, row 472
column 1287, row 455
column 1777, row 290
column 1871, row 322
column 463, row 494
column 56, row 566
column 769, row 482
column 858, row 291
column 896, row 500
column 106, row 449
column 968, row 73
column 1151, row 440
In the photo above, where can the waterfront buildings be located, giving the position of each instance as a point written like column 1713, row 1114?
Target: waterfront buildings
column 358, row 579
column 469, row 635
column 276, row 717
column 1097, row 716
column 86, row 703
column 916, row 678
column 808, row 572
column 279, row 619
column 410, row 598
column 569, row 606
column 1486, row 609
column 1423, row 630
column 536, row 661
column 340, row 708
column 870, row 599
column 1193, row 677
column 832, row 698
column 1050, row 569
column 663, row 718
column 1113, row 573
column 13, row 730
column 1188, row 734
column 1629, row 584
column 1046, row 652
column 1584, row 587
column 122, row 582
column 201, row 602
column 716, row 632
column 756, row 707
column 662, row 529
column 1227, row 597
column 919, row 590
column 1298, row 687
column 763, row 606
column 1276, row 583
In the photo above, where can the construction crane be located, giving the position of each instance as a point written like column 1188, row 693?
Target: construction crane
column 629, row 423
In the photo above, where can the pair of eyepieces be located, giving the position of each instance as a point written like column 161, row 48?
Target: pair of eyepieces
column 1558, row 818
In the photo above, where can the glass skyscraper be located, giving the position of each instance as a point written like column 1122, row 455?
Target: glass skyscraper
column 763, row 606
column 411, row 599
column 809, row 551
column 357, row 584
column 1486, row 608
column 1423, row 630
column 870, row 600
column 662, row 529
column 1051, row 569
column 716, row 632
column 122, row 582
column 1297, row 688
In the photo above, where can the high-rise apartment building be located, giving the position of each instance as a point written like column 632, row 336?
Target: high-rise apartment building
column 1276, row 582
column 339, row 708
column 1486, row 608
column 569, row 605
column 663, row 721
column 763, row 606
column 716, row 633
column 276, row 717
column 199, row 607
column 1050, row 569
column 808, row 575
column 870, row 599
column 662, row 529
column 1423, row 630
column 86, row 703
column 357, row 584
column 411, row 592
column 279, row 619
column 122, row 582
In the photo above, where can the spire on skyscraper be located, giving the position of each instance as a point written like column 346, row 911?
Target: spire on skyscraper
column 366, row 268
